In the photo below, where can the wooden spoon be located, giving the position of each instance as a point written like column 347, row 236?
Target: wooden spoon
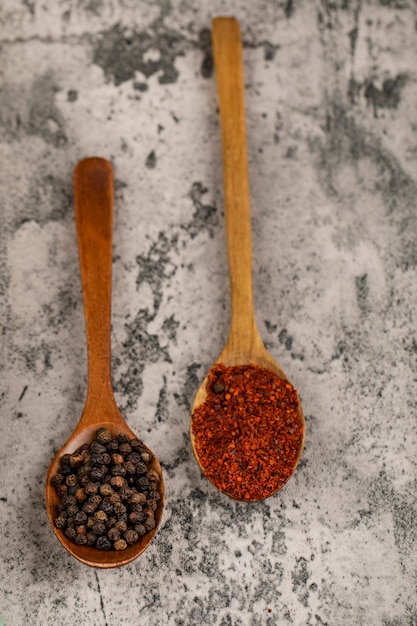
column 93, row 196
column 244, row 345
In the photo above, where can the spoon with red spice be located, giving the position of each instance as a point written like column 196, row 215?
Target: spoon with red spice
column 93, row 199
column 247, row 424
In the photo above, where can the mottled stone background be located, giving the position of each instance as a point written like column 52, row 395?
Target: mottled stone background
column 331, row 91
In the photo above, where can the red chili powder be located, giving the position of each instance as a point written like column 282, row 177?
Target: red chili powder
column 248, row 432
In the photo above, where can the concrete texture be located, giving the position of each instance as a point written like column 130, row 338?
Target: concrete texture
column 331, row 115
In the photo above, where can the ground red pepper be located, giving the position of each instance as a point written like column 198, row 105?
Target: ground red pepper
column 248, row 432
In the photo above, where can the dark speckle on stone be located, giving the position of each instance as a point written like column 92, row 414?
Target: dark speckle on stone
column 36, row 114
column 205, row 216
column 122, row 53
column 170, row 326
column 270, row 327
column 44, row 118
column 285, row 339
column 72, row 95
column 300, row 576
column 362, row 290
column 269, row 51
column 388, row 97
column 289, row 8
column 140, row 86
column 151, row 160
column 207, row 66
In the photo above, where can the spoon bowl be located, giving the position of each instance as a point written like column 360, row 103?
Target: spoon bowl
column 93, row 190
column 244, row 345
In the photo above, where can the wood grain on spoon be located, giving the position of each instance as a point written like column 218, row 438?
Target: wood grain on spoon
column 93, row 198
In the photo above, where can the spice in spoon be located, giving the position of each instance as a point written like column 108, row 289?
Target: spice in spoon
column 108, row 493
column 248, row 432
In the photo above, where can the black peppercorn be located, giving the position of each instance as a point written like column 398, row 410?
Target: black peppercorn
column 75, row 461
column 152, row 505
column 96, row 459
column 81, row 539
column 113, row 534
column 58, row 479
column 218, row 387
column 135, row 517
column 61, row 520
column 80, row 517
column 130, row 467
column 119, row 508
column 131, row 536
column 80, row 495
column 67, row 500
column 141, row 468
column 89, row 508
column 135, row 507
column 116, row 458
column 100, row 516
column 96, row 474
column 125, row 492
column 125, row 448
column 140, row 529
column 91, row 488
column 103, row 543
column 91, row 538
column 119, row 470
column 70, row 532
column 114, row 497
column 106, row 489
column 107, row 507
column 120, row 544
column 138, row 498
column 117, row 481
column 153, row 476
column 143, row 483
column 150, row 523
column 103, row 436
column 65, row 469
column 71, row 480
column 95, row 499
column 134, row 458
column 62, row 490
column 97, row 448
column 71, row 510
column 121, row 526
column 99, row 528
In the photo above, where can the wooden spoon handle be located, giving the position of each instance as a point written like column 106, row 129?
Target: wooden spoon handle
column 93, row 200
column 227, row 49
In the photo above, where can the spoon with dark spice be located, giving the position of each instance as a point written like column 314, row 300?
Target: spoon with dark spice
column 247, row 424
column 104, row 487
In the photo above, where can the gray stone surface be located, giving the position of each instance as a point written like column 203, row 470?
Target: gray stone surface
column 331, row 114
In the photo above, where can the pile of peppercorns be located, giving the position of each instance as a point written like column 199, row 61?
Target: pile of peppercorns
column 108, row 494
